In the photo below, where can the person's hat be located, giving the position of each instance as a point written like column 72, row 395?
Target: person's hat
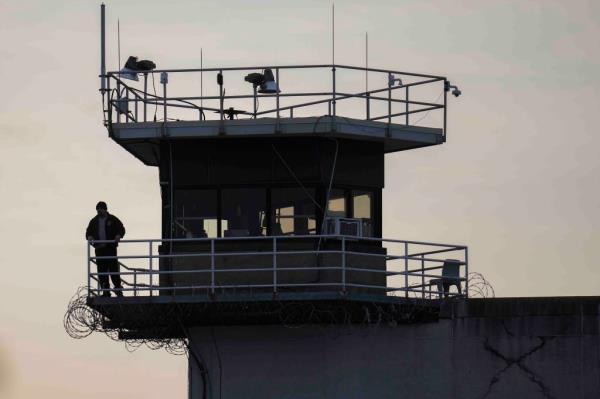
column 101, row 205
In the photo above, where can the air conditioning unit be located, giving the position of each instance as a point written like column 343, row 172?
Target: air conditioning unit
column 343, row 226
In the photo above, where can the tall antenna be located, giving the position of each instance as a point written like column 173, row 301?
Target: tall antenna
column 119, row 42
column 366, row 61
column 333, row 33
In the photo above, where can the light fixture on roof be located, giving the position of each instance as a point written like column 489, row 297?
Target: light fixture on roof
column 133, row 67
column 266, row 81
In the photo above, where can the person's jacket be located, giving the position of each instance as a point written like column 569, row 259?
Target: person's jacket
column 114, row 227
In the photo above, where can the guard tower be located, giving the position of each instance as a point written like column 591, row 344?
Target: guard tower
column 271, row 182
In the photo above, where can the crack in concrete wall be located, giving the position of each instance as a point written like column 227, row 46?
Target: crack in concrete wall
column 531, row 375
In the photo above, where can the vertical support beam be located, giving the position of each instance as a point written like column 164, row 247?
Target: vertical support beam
column 254, row 98
column 445, row 106
column 423, row 276
column 277, row 98
column 89, row 268
column 343, row 265
column 145, row 95
column 466, row 272
column 163, row 78
column 274, row 265
column 151, row 268
column 333, row 106
column 212, row 267
column 406, row 106
column 406, row 270
column 390, row 79
column 118, row 101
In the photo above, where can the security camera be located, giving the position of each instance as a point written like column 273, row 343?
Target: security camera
column 455, row 90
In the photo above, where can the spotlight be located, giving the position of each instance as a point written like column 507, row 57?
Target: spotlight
column 269, row 85
column 133, row 67
column 266, row 81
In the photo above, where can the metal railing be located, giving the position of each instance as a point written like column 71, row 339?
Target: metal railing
column 344, row 264
column 395, row 100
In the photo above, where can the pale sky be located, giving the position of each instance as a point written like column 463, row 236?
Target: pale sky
column 517, row 180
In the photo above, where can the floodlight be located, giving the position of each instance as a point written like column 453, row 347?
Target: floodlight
column 268, row 85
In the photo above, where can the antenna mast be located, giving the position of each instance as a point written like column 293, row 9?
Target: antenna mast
column 333, row 33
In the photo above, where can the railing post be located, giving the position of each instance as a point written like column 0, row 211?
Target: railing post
column 423, row 276
column 145, row 95
column 164, row 80
column 406, row 270
column 368, row 106
column 466, row 272
column 406, row 106
column 334, row 91
column 343, row 265
column 390, row 104
column 277, row 97
column 134, row 283
column 274, row 265
column 212, row 267
column 118, row 101
column 151, row 271
column 89, row 261
column 136, row 105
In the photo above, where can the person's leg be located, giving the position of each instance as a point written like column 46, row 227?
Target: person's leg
column 114, row 268
column 103, row 267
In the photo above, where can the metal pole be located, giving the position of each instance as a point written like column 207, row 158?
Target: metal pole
column 164, row 102
column 344, row 265
column 89, row 277
column 145, row 94
column 406, row 269
column 118, row 101
column 423, row 276
column 390, row 100
column 102, row 48
column 334, row 91
column 151, row 271
column 368, row 99
column 406, row 106
column 445, row 107
column 212, row 267
column 274, row 265
column 277, row 96
column 466, row 272
column 221, row 95
column 134, row 283
column 255, row 110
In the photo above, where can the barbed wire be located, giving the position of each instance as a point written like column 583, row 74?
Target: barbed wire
column 479, row 287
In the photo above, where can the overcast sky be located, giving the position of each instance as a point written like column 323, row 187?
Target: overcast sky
column 517, row 180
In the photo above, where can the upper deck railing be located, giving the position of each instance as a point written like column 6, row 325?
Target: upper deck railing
column 305, row 90
column 402, row 268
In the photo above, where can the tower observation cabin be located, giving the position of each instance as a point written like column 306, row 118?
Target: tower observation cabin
column 271, row 182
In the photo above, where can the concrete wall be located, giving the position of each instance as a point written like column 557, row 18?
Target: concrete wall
column 502, row 348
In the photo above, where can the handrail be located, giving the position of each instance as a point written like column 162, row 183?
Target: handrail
column 391, row 82
column 344, row 265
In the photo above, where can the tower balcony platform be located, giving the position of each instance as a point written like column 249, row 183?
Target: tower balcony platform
column 262, row 280
column 332, row 101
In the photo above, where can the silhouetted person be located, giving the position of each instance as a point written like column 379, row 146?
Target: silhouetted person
column 105, row 226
